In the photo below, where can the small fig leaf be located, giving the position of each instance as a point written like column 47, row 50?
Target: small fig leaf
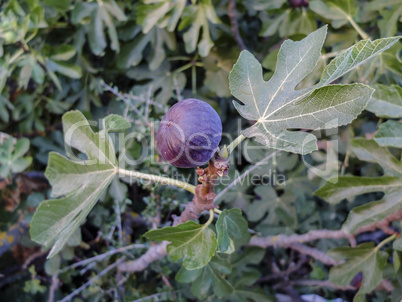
column 193, row 242
column 230, row 225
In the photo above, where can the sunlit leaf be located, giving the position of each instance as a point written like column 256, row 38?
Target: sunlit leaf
column 115, row 122
column 78, row 184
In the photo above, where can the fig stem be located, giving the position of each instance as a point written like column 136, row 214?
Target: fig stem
column 159, row 179
column 232, row 145
column 217, row 211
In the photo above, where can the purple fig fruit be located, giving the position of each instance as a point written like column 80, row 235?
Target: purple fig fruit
column 189, row 134
column 298, row 3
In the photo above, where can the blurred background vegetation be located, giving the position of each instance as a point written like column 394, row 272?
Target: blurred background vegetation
column 137, row 58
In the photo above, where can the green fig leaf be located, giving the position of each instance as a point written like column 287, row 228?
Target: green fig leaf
column 193, row 242
column 77, row 184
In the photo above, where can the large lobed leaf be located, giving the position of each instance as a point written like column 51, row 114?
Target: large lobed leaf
column 194, row 242
column 278, row 108
column 77, row 184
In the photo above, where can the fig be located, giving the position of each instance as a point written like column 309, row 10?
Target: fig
column 298, row 3
column 189, row 133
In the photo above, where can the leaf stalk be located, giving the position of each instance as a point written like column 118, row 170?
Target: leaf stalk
column 155, row 178
column 211, row 218
column 382, row 243
column 232, row 146
column 360, row 31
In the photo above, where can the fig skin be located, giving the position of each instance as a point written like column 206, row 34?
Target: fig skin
column 298, row 3
column 189, row 134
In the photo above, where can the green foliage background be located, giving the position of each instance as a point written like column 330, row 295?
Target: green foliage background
column 136, row 59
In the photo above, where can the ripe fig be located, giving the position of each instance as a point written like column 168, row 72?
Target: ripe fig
column 298, row 3
column 189, row 134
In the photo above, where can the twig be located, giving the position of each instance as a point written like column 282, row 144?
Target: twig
column 148, row 100
column 177, row 88
column 317, row 283
column 345, row 162
column 234, row 25
column 386, row 285
column 314, row 253
column 32, row 257
column 102, row 256
column 292, row 267
column 155, row 252
column 118, row 222
column 329, row 55
column 238, row 179
column 125, row 100
column 53, row 286
column 155, row 295
column 91, row 281
column 284, row 240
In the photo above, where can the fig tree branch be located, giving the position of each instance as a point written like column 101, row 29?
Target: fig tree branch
column 286, row 240
column 157, row 252
column 314, row 253
column 91, row 281
column 317, row 283
column 234, row 25
column 124, row 99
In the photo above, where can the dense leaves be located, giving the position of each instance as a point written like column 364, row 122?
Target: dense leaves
column 12, row 158
column 307, row 68
column 336, row 190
